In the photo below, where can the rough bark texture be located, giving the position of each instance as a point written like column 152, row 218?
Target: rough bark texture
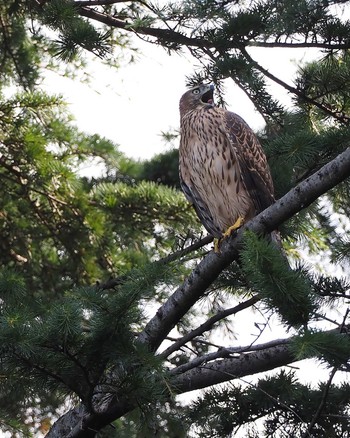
column 231, row 368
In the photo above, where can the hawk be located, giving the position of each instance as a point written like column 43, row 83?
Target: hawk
column 223, row 169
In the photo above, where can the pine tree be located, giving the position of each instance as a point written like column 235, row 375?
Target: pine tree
column 96, row 272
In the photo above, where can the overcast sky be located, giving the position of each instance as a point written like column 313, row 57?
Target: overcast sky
column 134, row 104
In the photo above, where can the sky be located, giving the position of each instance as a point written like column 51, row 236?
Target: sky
column 133, row 105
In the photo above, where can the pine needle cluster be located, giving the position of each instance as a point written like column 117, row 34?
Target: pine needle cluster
column 74, row 32
column 80, row 341
column 284, row 406
column 281, row 288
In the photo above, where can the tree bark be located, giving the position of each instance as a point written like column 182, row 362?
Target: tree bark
column 222, row 370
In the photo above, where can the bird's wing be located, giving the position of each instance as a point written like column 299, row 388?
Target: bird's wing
column 255, row 172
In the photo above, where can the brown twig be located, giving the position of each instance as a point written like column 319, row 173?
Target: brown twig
column 207, row 325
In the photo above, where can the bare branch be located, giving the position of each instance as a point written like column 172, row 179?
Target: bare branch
column 322, row 403
column 182, row 252
column 207, row 325
column 98, row 2
column 296, row 45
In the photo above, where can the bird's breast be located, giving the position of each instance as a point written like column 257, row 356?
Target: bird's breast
column 209, row 165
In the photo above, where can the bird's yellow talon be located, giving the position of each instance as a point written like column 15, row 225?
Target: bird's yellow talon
column 239, row 222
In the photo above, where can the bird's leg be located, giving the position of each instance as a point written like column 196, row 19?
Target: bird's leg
column 217, row 245
column 239, row 222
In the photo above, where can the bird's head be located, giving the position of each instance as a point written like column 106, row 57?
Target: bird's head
column 199, row 96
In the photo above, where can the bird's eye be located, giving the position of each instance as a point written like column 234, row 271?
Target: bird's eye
column 196, row 91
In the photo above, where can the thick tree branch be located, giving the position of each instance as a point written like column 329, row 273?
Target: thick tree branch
column 81, row 422
column 228, row 352
column 172, row 36
column 260, row 358
column 232, row 368
column 213, row 264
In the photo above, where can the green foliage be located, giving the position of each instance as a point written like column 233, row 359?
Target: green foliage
column 71, row 228
column 281, row 288
column 65, row 348
column 299, row 150
column 295, row 152
column 60, row 336
column 285, row 405
column 75, row 32
column 163, row 169
column 327, row 81
column 164, row 420
column 19, row 57
column 330, row 288
column 331, row 347
column 140, row 204
column 252, row 81
column 342, row 250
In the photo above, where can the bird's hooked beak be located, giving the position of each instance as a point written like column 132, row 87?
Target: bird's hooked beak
column 208, row 95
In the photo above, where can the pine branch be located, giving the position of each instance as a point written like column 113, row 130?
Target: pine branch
column 226, row 369
column 79, row 422
column 165, row 35
column 172, row 36
column 341, row 118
